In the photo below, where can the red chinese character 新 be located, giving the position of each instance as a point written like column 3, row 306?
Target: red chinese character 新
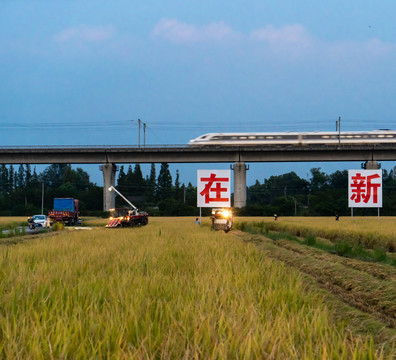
column 363, row 188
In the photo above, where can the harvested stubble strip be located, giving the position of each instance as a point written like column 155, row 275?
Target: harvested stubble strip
column 355, row 287
column 379, row 271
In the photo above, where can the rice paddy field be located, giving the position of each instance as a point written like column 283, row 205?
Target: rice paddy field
column 177, row 290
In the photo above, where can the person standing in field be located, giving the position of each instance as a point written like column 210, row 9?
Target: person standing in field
column 275, row 217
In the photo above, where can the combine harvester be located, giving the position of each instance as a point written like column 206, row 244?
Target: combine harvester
column 125, row 217
column 222, row 219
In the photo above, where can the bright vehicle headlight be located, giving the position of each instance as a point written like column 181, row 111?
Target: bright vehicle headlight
column 226, row 213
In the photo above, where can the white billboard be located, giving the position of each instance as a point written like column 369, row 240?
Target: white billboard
column 365, row 188
column 214, row 188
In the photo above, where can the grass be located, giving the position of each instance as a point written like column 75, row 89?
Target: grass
column 169, row 290
column 93, row 221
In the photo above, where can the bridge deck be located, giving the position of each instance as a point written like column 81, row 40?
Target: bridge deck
column 186, row 154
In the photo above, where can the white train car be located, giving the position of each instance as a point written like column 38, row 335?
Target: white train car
column 275, row 138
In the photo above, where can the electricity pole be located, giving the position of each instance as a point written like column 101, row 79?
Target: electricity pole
column 338, row 127
column 144, row 135
column 139, row 121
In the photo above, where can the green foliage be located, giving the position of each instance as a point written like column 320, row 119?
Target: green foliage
column 310, row 240
column 57, row 226
column 343, row 248
column 380, row 254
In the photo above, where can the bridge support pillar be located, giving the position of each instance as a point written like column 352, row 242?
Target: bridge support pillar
column 239, row 184
column 109, row 172
column 371, row 165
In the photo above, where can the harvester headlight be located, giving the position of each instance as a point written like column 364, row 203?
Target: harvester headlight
column 226, row 213
column 111, row 218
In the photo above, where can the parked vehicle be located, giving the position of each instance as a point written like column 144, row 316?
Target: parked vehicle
column 221, row 219
column 126, row 217
column 39, row 221
column 65, row 211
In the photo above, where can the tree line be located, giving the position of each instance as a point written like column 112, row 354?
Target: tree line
column 23, row 191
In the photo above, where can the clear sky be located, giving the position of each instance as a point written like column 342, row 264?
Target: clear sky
column 81, row 72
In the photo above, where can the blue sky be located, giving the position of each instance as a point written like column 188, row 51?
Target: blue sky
column 82, row 72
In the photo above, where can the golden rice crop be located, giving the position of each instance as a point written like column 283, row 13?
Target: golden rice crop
column 169, row 290
column 369, row 232
column 9, row 221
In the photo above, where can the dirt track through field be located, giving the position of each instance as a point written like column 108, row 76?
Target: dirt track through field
column 369, row 287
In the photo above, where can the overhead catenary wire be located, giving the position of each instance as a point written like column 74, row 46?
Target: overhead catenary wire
column 193, row 129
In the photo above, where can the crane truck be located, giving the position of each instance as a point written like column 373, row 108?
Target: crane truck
column 126, row 217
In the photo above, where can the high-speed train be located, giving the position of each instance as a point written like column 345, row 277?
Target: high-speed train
column 274, row 138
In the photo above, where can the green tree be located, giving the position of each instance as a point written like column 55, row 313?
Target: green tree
column 319, row 180
column 139, row 185
column 28, row 175
column 20, row 180
column 178, row 195
column 164, row 183
column 151, row 184
column 11, row 179
column 52, row 176
column 121, row 181
column 4, row 179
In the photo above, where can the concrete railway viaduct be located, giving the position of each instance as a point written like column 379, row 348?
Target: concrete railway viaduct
column 109, row 156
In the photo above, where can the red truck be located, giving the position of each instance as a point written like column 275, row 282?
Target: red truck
column 65, row 211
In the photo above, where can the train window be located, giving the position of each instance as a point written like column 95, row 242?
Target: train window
column 365, row 136
column 357, row 136
column 269, row 137
column 373, row 136
column 381, row 136
column 242, row 138
column 389, row 136
column 252, row 137
column 279, row 137
column 325, row 137
column 216, row 137
column 349, row 136
column 260, row 137
column 234, row 137
column 334, row 137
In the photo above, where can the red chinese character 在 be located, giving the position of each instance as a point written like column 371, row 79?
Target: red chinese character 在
column 362, row 188
column 217, row 189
